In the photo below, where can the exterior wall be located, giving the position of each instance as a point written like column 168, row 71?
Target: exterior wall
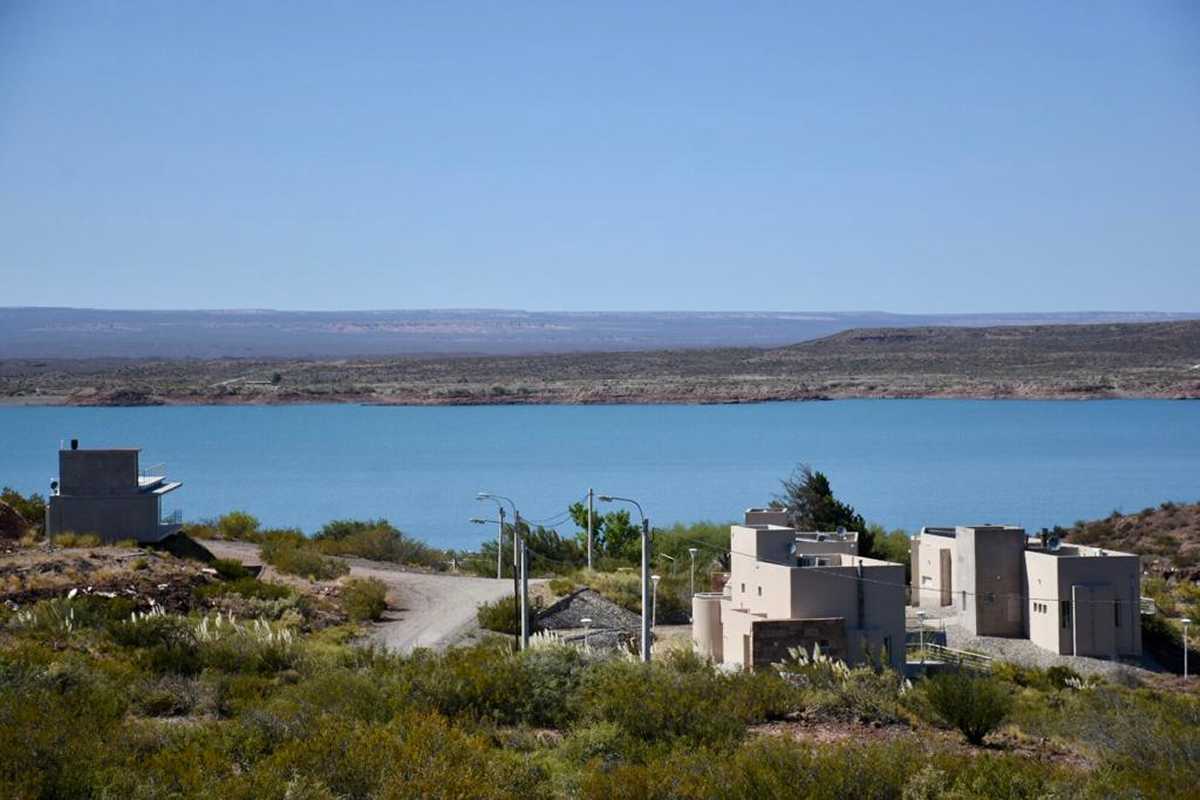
column 772, row 639
column 930, row 590
column 706, row 626
column 111, row 518
column 1043, row 610
column 810, row 547
column 97, row 472
column 1102, row 618
column 737, row 635
column 990, row 568
column 766, row 516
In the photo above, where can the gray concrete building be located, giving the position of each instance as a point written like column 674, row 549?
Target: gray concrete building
column 1069, row 599
column 106, row 492
column 790, row 588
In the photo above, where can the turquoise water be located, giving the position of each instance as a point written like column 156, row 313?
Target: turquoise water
column 903, row 463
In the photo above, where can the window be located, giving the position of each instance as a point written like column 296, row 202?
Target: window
column 964, row 600
column 760, row 591
column 1065, row 605
column 1117, row 613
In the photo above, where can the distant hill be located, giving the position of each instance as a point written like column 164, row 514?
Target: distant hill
column 90, row 333
column 1039, row 361
column 1167, row 536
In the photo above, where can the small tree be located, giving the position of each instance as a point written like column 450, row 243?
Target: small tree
column 808, row 498
column 237, row 525
column 976, row 705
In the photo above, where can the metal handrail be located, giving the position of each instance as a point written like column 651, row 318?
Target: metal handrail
column 949, row 654
column 173, row 518
column 153, row 471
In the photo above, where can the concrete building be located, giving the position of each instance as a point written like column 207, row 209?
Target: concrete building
column 1068, row 599
column 795, row 589
column 105, row 492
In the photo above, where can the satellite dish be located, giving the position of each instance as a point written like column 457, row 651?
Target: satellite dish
column 1053, row 543
column 841, row 530
column 792, row 549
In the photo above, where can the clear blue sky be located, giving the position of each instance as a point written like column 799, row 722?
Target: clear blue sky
column 900, row 156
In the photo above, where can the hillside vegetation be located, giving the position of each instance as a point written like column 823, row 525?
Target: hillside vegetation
column 1044, row 361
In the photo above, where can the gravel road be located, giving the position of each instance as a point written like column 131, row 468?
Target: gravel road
column 427, row 610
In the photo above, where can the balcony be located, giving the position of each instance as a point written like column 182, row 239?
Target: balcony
column 170, row 523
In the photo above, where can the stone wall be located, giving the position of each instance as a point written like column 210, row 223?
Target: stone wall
column 771, row 639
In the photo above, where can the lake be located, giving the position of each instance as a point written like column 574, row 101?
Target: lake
column 902, row 463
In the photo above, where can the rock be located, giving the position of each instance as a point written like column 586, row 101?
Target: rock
column 12, row 524
column 569, row 612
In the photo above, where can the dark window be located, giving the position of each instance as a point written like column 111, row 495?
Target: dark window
column 1117, row 613
column 760, row 591
column 1066, row 613
column 743, row 588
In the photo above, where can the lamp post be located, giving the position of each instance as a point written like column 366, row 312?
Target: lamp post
column 604, row 498
column 921, row 618
column 1185, row 622
column 499, row 538
column 692, row 552
column 654, row 601
column 587, row 626
column 519, row 556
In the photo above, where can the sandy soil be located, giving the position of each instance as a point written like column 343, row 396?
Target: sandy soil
column 425, row 609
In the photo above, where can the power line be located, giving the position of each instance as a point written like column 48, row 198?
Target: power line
column 960, row 592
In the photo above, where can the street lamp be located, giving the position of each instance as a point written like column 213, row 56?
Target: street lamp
column 692, row 552
column 921, row 617
column 1185, row 622
column 519, row 556
column 587, row 626
column 654, row 601
column 605, row 498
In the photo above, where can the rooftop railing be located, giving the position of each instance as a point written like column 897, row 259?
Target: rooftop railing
column 153, row 471
column 173, row 518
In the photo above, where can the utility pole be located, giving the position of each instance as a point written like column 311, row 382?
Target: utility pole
column 591, row 523
column 646, row 590
column 1186, row 622
column 500, row 544
column 524, row 586
column 692, row 553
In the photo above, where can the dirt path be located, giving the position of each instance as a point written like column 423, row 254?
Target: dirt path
column 428, row 610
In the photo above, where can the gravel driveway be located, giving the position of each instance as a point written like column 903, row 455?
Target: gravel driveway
column 427, row 609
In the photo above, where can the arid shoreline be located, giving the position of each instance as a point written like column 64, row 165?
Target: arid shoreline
column 1059, row 362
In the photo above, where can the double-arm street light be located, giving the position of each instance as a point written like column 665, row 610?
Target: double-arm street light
column 605, row 498
column 519, row 557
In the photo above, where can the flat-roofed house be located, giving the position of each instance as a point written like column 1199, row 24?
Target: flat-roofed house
column 107, row 493
column 789, row 588
column 1069, row 599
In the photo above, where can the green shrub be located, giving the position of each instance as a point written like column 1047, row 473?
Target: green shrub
column 502, row 616
column 652, row 702
column 230, row 570
column 249, row 587
column 237, row 525
column 364, row 599
column 293, row 557
column 975, row 704
column 376, row 540
column 70, row 539
column 32, row 508
column 562, row 586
